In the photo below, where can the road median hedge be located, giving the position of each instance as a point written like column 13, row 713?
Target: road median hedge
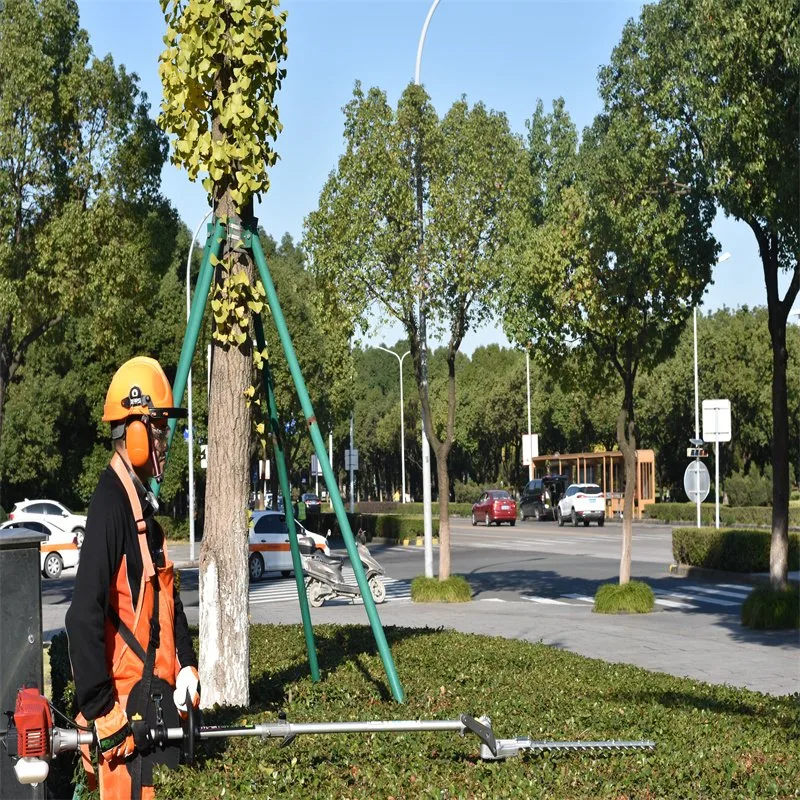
column 729, row 549
column 752, row 516
column 387, row 526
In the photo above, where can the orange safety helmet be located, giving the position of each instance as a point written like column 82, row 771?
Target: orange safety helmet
column 139, row 390
column 140, row 387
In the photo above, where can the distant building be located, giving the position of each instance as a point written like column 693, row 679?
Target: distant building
column 607, row 470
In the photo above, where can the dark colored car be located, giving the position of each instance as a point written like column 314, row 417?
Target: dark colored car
column 541, row 495
column 495, row 506
column 313, row 503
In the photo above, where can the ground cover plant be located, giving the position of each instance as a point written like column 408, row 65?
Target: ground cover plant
column 633, row 597
column 767, row 608
column 455, row 589
column 712, row 741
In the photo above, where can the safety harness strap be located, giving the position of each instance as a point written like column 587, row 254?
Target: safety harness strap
column 121, row 468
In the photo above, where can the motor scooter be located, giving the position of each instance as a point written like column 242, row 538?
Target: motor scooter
column 324, row 578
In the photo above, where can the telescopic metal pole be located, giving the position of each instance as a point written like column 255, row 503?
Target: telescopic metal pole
column 696, row 420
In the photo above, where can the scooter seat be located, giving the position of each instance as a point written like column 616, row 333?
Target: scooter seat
column 334, row 561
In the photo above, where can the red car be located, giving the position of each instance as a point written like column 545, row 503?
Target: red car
column 495, row 506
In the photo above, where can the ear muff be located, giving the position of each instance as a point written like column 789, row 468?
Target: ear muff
column 137, row 442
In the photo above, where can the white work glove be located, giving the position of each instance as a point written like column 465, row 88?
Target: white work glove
column 188, row 679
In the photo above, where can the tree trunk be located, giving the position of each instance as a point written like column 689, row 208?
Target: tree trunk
column 779, row 546
column 626, row 438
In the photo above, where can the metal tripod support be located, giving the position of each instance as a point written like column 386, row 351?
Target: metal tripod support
column 249, row 239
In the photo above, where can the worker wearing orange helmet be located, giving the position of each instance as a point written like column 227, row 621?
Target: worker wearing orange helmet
column 129, row 643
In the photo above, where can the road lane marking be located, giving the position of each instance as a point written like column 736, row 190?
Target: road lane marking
column 285, row 589
column 549, row 601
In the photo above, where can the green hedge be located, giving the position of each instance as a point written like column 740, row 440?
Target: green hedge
column 711, row 741
column 388, row 526
column 728, row 515
column 731, row 549
column 411, row 509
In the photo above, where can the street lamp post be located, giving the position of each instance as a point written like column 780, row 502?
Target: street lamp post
column 528, row 382
column 402, row 419
column 426, row 450
column 723, row 257
column 190, row 438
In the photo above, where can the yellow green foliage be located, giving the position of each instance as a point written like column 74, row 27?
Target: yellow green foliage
column 220, row 72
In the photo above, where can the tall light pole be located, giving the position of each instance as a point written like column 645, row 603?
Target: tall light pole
column 528, row 382
column 190, row 438
column 723, row 257
column 402, row 419
column 423, row 335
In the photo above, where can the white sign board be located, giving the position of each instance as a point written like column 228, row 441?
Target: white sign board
column 716, row 420
column 530, row 447
column 696, row 481
column 316, row 469
column 351, row 458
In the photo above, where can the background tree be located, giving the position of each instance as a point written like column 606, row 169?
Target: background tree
column 370, row 245
column 80, row 165
column 725, row 74
column 220, row 73
column 621, row 257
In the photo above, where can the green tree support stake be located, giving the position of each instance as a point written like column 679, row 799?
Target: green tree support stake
column 216, row 235
column 283, row 477
column 319, row 449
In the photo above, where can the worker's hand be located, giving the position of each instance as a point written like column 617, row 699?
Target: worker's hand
column 188, row 680
column 114, row 736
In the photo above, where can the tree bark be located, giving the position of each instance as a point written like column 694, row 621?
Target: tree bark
column 224, row 619
column 626, row 438
column 779, row 545
column 778, row 311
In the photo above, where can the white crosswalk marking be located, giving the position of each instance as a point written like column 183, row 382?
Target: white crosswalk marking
column 285, row 590
column 697, row 598
column 742, row 593
column 686, row 597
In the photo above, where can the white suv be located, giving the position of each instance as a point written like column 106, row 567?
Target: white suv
column 50, row 511
column 583, row 502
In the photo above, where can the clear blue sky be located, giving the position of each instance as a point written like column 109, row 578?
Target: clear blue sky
column 504, row 53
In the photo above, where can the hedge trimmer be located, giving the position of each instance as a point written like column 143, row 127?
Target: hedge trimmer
column 32, row 740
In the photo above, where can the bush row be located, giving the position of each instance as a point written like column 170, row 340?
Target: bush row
column 731, row 549
column 411, row 509
column 728, row 516
column 388, row 526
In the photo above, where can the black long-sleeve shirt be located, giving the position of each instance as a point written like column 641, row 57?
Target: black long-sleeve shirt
column 110, row 534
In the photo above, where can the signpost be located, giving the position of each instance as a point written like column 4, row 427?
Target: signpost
column 716, row 428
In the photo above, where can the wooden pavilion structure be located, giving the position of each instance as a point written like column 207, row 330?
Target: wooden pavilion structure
column 607, row 469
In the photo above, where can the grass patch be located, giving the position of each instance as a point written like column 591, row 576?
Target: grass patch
column 711, row 741
column 633, row 597
column 455, row 589
column 769, row 609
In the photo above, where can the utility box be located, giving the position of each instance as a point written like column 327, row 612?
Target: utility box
column 20, row 640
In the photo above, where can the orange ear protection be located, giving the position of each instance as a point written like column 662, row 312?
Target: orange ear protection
column 137, row 441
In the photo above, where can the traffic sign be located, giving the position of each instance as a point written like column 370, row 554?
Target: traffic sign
column 697, row 481
column 717, row 420
column 351, row 458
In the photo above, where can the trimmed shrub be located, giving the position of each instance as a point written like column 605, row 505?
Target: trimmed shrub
column 731, row 549
column 633, row 597
column 411, row 509
column 454, row 589
column 177, row 530
column 728, row 515
column 768, row 609
column 3, row 515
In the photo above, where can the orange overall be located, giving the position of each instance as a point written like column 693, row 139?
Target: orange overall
column 123, row 664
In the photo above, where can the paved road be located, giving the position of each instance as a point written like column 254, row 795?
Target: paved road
column 536, row 582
